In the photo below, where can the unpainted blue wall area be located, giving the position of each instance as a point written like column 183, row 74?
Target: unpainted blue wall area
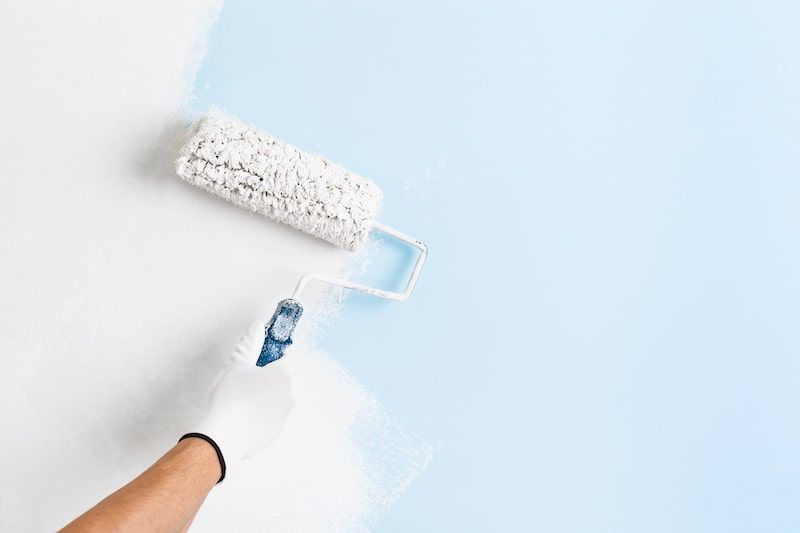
column 606, row 336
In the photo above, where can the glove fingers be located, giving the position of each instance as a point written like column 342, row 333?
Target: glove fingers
column 279, row 382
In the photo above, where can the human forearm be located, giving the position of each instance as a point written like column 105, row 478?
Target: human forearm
column 165, row 497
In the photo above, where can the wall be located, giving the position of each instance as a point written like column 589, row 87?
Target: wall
column 604, row 339
column 124, row 289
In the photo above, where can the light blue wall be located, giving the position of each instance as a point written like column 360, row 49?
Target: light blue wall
column 606, row 337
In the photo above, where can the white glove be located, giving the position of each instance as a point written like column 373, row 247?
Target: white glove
column 248, row 405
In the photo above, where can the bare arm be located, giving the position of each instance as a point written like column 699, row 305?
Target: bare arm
column 165, row 497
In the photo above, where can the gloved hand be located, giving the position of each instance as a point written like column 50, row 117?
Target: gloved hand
column 248, row 405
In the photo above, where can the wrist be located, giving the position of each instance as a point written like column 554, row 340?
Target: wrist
column 207, row 452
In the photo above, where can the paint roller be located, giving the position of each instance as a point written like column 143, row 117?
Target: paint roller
column 267, row 176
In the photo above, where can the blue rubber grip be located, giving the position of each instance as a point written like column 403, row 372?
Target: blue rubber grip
column 278, row 333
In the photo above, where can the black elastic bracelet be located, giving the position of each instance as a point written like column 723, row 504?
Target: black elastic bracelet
column 213, row 445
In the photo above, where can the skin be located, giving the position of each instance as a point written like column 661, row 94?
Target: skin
column 165, row 497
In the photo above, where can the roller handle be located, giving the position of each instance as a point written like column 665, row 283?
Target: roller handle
column 278, row 333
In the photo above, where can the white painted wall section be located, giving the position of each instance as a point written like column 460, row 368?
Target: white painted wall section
column 123, row 288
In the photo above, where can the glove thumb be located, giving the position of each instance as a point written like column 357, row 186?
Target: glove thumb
column 249, row 346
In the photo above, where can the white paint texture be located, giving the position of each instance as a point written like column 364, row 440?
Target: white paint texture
column 270, row 177
column 124, row 288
